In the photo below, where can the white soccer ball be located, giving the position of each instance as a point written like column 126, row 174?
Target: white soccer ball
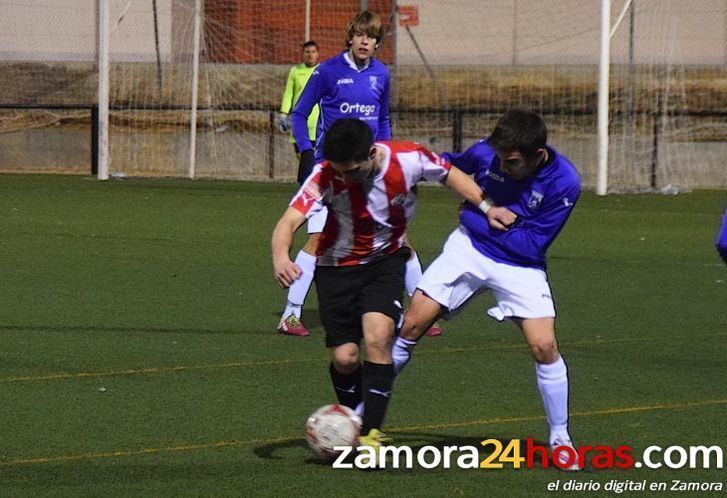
column 330, row 426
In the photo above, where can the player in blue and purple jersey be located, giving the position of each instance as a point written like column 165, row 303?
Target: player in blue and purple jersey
column 542, row 201
column 501, row 246
column 350, row 85
column 721, row 241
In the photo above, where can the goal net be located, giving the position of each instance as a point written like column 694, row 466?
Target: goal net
column 456, row 66
column 668, row 86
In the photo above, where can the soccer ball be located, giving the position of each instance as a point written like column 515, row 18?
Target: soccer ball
column 330, row 426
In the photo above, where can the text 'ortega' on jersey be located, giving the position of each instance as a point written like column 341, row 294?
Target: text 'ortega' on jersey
column 348, row 108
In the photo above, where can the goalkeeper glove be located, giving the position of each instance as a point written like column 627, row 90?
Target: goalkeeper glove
column 283, row 123
column 305, row 167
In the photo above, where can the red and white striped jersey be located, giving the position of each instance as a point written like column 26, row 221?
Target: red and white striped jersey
column 367, row 220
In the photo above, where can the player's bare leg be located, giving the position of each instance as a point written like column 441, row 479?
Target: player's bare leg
column 422, row 313
column 412, row 276
column 552, row 377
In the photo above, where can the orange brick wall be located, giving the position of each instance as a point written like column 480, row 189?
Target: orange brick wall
column 272, row 31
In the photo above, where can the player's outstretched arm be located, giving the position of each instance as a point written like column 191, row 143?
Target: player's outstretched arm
column 286, row 272
column 499, row 217
column 464, row 185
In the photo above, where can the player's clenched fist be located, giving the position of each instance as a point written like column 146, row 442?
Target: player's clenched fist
column 286, row 272
column 501, row 218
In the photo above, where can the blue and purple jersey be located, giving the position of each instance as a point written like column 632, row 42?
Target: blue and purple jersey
column 541, row 202
column 721, row 241
column 342, row 90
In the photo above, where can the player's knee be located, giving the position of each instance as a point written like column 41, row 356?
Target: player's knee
column 379, row 345
column 346, row 361
column 545, row 352
column 414, row 326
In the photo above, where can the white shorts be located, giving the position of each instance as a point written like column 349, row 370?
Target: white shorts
column 318, row 221
column 461, row 272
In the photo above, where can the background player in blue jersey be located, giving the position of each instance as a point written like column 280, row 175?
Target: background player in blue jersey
column 352, row 84
column 722, row 238
column 501, row 245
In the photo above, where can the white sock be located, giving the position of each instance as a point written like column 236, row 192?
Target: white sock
column 401, row 353
column 413, row 274
column 299, row 290
column 553, row 386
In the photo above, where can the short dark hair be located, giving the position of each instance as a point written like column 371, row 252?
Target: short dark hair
column 348, row 140
column 519, row 130
column 310, row 43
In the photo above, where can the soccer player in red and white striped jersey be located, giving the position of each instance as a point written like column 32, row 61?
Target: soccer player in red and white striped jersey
column 369, row 190
column 369, row 218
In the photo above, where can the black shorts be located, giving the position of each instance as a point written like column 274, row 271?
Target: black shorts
column 345, row 293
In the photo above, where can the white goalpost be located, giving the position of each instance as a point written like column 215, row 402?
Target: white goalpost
column 607, row 32
column 631, row 90
column 603, row 94
column 195, row 85
column 103, row 89
column 104, row 34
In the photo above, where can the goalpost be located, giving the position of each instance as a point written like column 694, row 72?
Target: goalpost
column 103, row 82
column 191, row 88
column 603, row 87
column 433, row 76
column 103, row 90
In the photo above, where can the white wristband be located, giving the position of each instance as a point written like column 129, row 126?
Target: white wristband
column 485, row 206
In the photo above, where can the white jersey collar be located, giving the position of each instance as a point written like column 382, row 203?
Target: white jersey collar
column 353, row 65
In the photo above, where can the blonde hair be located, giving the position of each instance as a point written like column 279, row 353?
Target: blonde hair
column 365, row 22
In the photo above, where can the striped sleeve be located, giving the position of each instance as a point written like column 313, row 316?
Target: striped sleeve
column 309, row 198
column 434, row 167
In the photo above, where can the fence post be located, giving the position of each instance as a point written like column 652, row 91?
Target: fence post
column 655, row 144
column 94, row 140
column 271, row 144
column 457, row 130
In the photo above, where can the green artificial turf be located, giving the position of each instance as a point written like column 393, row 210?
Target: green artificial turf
column 139, row 355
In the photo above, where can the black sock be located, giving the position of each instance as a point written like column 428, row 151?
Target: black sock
column 347, row 386
column 377, row 381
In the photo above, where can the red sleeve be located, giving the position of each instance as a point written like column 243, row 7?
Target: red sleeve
column 309, row 198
